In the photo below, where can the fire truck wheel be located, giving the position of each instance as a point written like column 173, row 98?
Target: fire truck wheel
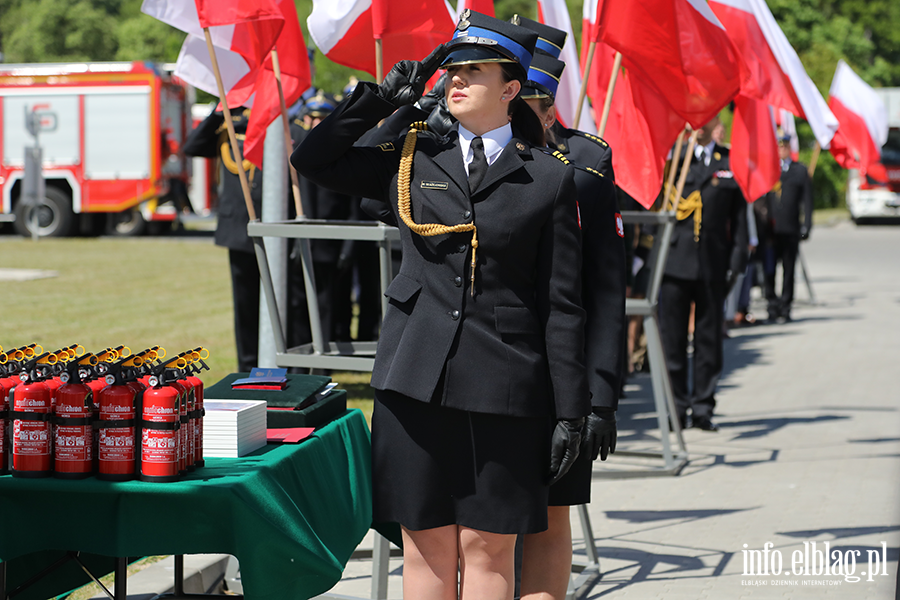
column 126, row 223
column 55, row 217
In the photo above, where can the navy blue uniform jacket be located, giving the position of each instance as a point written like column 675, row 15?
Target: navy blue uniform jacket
column 515, row 348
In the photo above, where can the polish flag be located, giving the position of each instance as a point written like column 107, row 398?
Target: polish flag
column 863, row 120
column 771, row 69
column 247, row 28
column 346, row 31
column 555, row 14
column 679, row 48
column 641, row 128
column 754, row 150
column 293, row 62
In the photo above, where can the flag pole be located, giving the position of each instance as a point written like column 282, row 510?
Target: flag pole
column 295, row 180
column 229, row 124
column 584, row 79
column 379, row 61
column 817, row 149
column 684, row 170
column 673, row 165
column 607, row 104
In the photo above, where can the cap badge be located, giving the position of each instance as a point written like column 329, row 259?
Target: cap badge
column 515, row 20
column 464, row 20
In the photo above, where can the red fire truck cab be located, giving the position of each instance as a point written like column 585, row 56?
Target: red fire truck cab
column 111, row 137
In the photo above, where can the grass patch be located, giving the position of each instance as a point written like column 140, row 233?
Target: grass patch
column 830, row 216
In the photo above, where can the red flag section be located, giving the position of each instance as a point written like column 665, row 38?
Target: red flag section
column 677, row 47
column 754, row 150
column 261, row 22
column 772, row 71
column 410, row 30
column 295, row 79
column 641, row 127
column 863, row 122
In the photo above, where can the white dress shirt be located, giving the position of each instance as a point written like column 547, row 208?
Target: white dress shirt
column 494, row 142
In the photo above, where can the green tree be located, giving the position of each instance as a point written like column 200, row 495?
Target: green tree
column 58, row 30
column 144, row 38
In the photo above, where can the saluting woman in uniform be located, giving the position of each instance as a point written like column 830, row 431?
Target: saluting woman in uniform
column 480, row 388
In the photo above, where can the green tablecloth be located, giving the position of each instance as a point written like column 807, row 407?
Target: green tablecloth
column 291, row 514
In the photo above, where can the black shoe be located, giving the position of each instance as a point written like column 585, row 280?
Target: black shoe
column 705, row 424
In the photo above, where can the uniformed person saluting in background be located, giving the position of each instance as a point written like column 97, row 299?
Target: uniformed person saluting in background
column 480, row 381
column 547, row 556
column 784, row 204
column 210, row 139
column 709, row 248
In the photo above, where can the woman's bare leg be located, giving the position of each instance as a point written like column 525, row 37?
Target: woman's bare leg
column 431, row 563
column 487, row 565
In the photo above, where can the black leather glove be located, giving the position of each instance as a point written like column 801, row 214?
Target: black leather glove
column 440, row 120
column 804, row 234
column 406, row 81
column 427, row 102
column 565, row 444
column 600, row 433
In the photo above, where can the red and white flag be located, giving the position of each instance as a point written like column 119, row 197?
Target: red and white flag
column 555, row 14
column 863, row 120
column 754, row 149
column 771, row 69
column 346, row 31
column 641, row 127
column 679, row 48
column 293, row 62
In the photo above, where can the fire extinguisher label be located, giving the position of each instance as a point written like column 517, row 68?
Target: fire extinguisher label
column 73, row 443
column 31, row 438
column 117, row 444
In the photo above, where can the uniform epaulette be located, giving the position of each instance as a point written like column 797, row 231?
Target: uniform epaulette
column 589, row 170
column 556, row 154
column 591, row 137
column 419, row 126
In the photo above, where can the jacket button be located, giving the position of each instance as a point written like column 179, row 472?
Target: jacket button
column 462, row 247
column 467, row 214
column 454, row 314
column 457, row 281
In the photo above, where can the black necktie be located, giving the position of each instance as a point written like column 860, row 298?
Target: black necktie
column 703, row 156
column 478, row 167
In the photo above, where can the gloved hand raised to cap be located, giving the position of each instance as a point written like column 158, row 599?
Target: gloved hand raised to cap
column 406, row 81
column 600, row 433
column 565, row 444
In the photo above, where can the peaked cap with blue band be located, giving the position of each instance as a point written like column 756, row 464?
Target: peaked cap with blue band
column 550, row 39
column 543, row 77
column 480, row 38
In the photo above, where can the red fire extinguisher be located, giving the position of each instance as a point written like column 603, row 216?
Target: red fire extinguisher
column 31, row 415
column 161, row 423
column 72, row 430
column 199, row 355
column 116, row 423
column 10, row 366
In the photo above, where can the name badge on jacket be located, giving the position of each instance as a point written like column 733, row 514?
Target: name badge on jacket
column 435, row 185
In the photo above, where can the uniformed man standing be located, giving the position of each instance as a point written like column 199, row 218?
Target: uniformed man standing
column 210, row 139
column 709, row 247
column 792, row 192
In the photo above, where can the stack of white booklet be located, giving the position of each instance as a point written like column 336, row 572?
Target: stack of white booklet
column 233, row 428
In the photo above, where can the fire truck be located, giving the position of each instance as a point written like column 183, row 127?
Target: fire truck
column 868, row 199
column 110, row 137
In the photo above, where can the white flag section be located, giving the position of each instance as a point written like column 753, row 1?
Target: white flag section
column 756, row 16
column 789, row 127
column 858, row 97
column 555, row 14
column 330, row 21
column 195, row 66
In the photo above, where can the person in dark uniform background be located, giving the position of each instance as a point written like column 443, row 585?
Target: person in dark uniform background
column 210, row 139
column 547, row 556
column 480, row 382
column 709, row 247
column 791, row 199
column 332, row 259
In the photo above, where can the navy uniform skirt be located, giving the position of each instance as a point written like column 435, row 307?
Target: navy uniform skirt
column 434, row 466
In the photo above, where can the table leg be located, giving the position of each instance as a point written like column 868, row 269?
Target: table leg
column 120, row 591
column 3, row 580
